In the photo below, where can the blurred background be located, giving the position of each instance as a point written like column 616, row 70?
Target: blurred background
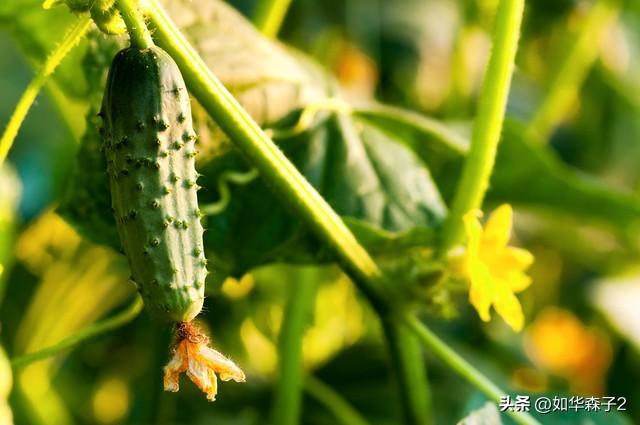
column 576, row 85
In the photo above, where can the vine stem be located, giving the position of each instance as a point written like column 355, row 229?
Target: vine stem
column 488, row 123
column 235, row 177
column 269, row 16
column 288, row 391
column 276, row 170
column 91, row 331
column 138, row 32
column 31, row 92
column 452, row 359
column 324, row 394
column 410, row 372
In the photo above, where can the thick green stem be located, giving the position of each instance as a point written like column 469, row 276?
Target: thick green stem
column 274, row 167
column 488, row 124
column 138, row 32
column 344, row 413
column 91, row 331
column 269, row 16
column 577, row 59
column 288, row 396
column 410, row 373
column 34, row 87
column 452, row 359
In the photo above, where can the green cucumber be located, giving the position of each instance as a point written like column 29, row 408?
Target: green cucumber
column 149, row 144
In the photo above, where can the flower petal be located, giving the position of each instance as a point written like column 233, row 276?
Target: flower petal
column 220, row 364
column 517, row 258
column 508, row 307
column 174, row 368
column 480, row 290
column 200, row 372
column 509, row 265
column 518, row 282
column 497, row 230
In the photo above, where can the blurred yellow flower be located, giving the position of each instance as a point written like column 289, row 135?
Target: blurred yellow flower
column 495, row 270
column 559, row 342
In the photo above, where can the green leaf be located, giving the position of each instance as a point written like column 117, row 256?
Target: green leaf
column 441, row 146
column 375, row 182
column 268, row 80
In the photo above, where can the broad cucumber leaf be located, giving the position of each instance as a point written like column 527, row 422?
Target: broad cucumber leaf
column 267, row 80
column 386, row 195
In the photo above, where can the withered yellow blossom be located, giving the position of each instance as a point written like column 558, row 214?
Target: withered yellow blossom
column 495, row 271
column 201, row 363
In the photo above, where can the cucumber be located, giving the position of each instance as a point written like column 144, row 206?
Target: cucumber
column 149, row 145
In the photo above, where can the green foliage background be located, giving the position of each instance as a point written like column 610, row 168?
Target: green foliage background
column 573, row 183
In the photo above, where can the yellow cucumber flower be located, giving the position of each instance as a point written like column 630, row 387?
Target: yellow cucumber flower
column 495, row 270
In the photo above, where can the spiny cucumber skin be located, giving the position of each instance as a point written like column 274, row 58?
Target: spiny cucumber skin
column 148, row 141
